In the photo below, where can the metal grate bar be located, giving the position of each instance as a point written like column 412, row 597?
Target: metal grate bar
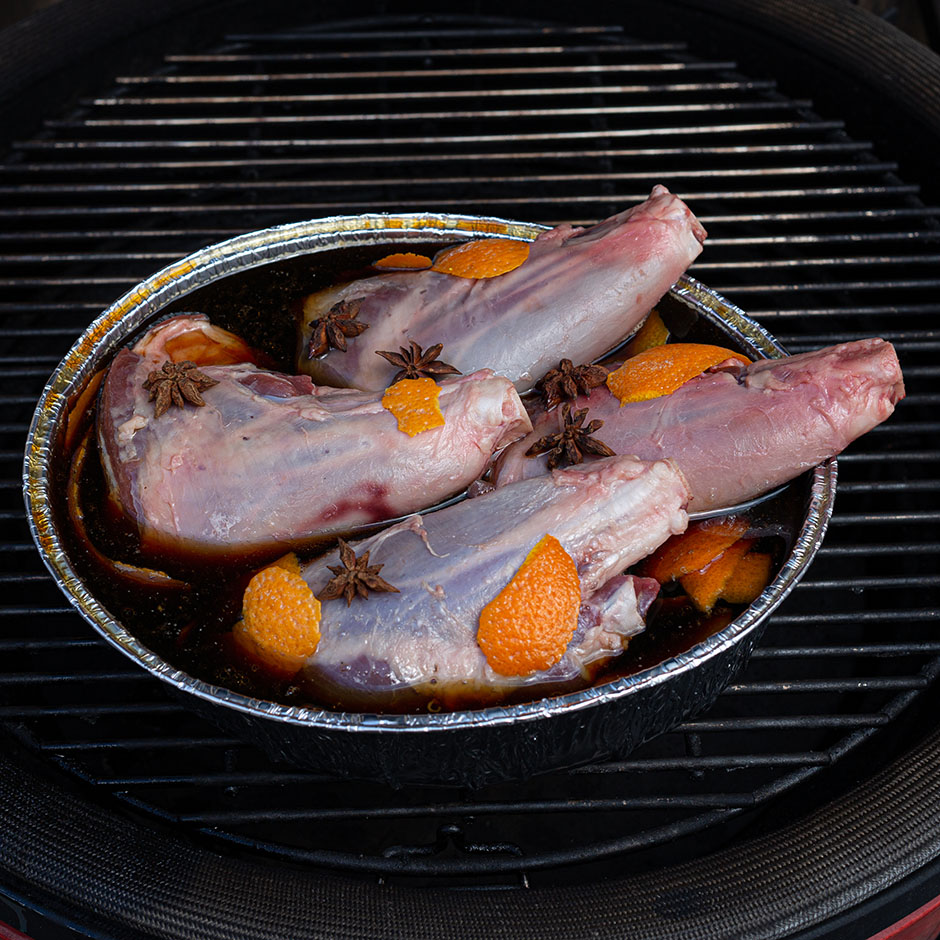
column 453, row 115
column 58, row 257
column 48, row 234
column 911, row 427
column 923, row 648
column 606, row 68
column 850, row 618
column 528, row 137
column 88, row 710
column 313, row 36
column 426, row 95
column 597, row 199
column 233, row 779
column 118, row 742
column 717, row 762
column 26, row 547
column 16, row 360
column 886, row 310
column 837, row 215
column 27, row 306
column 921, row 372
column 20, row 373
column 797, row 686
column 26, row 611
column 886, row 549
column 300, row 185
column 823, row 238
column 784, row 722
column 913, row 338
column 64, row 282
column 114, row 166
column 844, row 261
column 897, row 486
column 911, row 456
column 456, row 810
column 909, row 341
column 926, row 283
column 928, row 517
column 350, row 55
column 68, row 643
column 689, row 764
column 869, row 582
column 39, row 678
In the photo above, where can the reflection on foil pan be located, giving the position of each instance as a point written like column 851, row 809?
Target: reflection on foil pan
column 463, row 747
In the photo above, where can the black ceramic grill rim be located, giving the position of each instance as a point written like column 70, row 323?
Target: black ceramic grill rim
column 904, row 812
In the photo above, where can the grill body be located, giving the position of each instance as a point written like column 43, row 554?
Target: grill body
column 822, row 223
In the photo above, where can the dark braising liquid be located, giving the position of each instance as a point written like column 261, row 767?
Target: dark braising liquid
column 184, row 612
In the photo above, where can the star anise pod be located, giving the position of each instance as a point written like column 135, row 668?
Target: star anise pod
column 572, row 442
column 415, row 363
column 175, row 384
column 330, row 330
column 354, row 576
column 568, row 381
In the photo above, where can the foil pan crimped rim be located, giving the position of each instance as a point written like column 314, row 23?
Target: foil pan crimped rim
column 117, row 323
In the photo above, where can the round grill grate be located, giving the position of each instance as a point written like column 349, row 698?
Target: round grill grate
column 812, row 230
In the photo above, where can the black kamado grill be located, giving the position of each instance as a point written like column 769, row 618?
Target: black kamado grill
column 805, row 802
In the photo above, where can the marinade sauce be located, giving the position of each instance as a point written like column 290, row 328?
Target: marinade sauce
column 184, row 610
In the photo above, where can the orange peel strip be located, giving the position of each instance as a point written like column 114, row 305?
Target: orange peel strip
column 403, row 261
column 652, row 333
column 80, row 410
column 750, row 577
column 414, row 403
column 488, row 257
column 280, row 623
column 704, row 587
column 211, row 346
column 694, row 549
column 662, row 369
column 527, row 627
column 289, row 562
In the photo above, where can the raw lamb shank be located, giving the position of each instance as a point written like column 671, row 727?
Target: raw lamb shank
column 270, row 461
column 742, row 430
column 420, row 644
column 578, row 294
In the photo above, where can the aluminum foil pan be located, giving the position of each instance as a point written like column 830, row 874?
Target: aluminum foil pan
column 465, row 747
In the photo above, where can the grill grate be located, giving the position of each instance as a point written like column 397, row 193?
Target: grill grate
column 810, row 230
